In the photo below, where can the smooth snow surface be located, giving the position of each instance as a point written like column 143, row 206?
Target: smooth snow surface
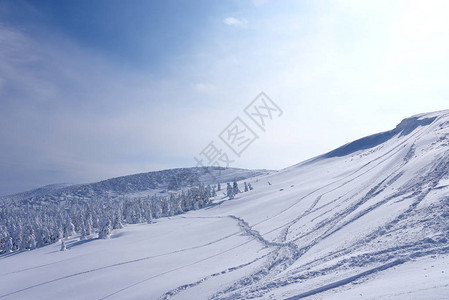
column 368, row 223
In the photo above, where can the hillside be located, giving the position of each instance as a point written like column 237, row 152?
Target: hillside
column 137, row 185
column 369, row 220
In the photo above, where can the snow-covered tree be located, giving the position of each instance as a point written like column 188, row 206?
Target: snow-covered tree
column 235, row 188
column 8, row 247
column 29, row 239
column 44, row 237
column 148, row 212
column 84, row 235
column 196, row 205
column 69, row 228
column 17, row 237
column 105, row 229
column 229, row 191
column 116, row 216
column 86, row 228
column 63, row 247
column 3, row 237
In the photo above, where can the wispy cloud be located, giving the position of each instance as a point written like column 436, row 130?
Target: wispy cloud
column 68, row 114
column 231, row 21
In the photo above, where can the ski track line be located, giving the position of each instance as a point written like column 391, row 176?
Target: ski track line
column 329, row 203
column 350, row 210
column 369, row 209
column 332, row 221
column 119, row 264
column 182, row 288
column 116, row 265
column 433, row 177
column 297, row 253
column 245, row 228
column 334, row 182
column 412, row 249
column 440, row 168
column 336, row 207
column 293, row 222
column 423, row 248
column 39, row 266
column 283, row 257
column 172, row 270
column 419, row 290
column 345, row 281
column 418, row 250
column 371, row 193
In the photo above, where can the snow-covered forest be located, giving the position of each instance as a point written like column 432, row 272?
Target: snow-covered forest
column 31, row 226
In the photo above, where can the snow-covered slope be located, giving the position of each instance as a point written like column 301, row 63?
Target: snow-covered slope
column 367, row 220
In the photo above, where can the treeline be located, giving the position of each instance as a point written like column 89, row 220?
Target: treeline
column 31, row 226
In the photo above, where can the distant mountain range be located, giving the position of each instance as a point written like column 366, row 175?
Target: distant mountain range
column 137, row 185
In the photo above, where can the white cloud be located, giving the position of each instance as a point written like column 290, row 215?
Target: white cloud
column 231, row 21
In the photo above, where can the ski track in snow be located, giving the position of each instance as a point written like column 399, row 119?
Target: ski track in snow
column 36, row 267
column 182, row 288
column 245, row 228
column 354, row 173
column 237, row 290
column 345, row 281
column 121, row 264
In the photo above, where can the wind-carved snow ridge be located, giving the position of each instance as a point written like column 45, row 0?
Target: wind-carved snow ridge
column 404, row 128
column 336, row 227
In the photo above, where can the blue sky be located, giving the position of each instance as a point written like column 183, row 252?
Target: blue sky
column 96, row 89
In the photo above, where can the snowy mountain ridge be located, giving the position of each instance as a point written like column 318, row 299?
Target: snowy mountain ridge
column 369, row 220
column 404, row 128
column 136, row 185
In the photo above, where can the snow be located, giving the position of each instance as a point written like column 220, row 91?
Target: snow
column 334, row 227
column 426, row 278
